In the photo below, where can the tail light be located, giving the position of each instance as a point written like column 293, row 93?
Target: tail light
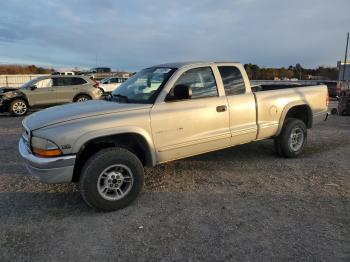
column 97, row 84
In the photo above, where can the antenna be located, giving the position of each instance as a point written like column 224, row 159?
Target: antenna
column 346, row 55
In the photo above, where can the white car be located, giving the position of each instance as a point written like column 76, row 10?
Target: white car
column 110, row 83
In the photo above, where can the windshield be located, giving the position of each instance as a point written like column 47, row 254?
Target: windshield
column 144, row 86
column 104, row 80
column 30, row 83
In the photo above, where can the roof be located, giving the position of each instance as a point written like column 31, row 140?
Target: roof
column 183, row 64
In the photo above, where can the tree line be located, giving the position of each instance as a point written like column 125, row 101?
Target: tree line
column 253, row 71
column 23, row 70
column 297, row 71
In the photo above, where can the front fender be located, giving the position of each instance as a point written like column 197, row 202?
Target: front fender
column 7, row 99
column 86, row 137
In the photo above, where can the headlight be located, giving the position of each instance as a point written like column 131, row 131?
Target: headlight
column 44, row 148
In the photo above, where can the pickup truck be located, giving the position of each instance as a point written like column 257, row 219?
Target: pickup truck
column 161, row 114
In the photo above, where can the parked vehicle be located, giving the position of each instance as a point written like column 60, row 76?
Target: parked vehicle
column 163, row 113
column 108, row 84
column 344, row 103
column 63, row 73
column 332, row 88
column 47, row 91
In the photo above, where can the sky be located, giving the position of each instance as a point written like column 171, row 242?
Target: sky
column 133, row 34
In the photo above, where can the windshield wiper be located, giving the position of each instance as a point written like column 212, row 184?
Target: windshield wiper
column 120, row 97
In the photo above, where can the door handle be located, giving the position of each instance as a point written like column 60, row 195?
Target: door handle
column 222, row 108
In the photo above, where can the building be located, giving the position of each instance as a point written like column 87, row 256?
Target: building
column 101, row 70
column 341, row 71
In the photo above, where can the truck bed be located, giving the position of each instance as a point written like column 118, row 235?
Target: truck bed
column 273, row 104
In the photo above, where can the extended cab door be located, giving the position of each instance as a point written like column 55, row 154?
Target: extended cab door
column 241, row 104
column 192, row 126
column 43, row 94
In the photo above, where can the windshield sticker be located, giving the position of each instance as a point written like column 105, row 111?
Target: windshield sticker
column 162, row 70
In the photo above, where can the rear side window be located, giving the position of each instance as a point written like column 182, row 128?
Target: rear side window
column 232, row 79
column 68, row 81
column 201, row 80
column 62, row 81
column 78, row 81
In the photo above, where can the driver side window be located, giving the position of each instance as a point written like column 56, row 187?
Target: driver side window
column 45, row 83
column 201, row 81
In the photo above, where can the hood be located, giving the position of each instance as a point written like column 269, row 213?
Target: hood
column 7, row 89
column 70, row 112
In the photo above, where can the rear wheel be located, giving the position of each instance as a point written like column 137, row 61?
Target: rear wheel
column 292, row 139
column 82, row 98
column 18, row 107
column 111, row 179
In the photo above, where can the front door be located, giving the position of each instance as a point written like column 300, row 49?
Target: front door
column 192, row 126
column 43, row 94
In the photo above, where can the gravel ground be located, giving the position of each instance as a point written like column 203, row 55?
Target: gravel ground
column 238, row 204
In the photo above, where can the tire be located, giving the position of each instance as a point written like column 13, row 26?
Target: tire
column 334, row 111
column 344, row 112
column 102, row 171
column 284, row 143
column 18, row 107
column 82, row 98
column 277, row 146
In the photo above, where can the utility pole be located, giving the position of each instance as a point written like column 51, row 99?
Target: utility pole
column 346, row 55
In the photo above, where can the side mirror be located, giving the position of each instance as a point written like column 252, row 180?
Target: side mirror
column 33, row 87
column 180, row 92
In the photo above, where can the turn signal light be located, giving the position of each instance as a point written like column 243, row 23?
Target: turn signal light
column 46, row 152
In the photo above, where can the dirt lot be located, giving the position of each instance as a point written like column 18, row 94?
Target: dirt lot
column 238, row 204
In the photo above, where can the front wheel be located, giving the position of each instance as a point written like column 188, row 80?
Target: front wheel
column 292, row 139
column 18, row 107
column 111, row 179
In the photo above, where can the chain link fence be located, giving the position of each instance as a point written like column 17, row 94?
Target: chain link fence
column 15, row 80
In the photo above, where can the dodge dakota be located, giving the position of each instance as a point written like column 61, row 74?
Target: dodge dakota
column 163, row 113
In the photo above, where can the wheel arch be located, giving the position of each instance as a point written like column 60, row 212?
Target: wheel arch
column 134, row 140
column 20, row 96
column 298, row 109
column 81, row 94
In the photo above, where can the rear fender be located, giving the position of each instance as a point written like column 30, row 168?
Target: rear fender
column 286, row 110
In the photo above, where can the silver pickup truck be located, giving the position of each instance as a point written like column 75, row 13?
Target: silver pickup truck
column 163, row 113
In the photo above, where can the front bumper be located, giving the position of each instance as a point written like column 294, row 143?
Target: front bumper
column 49, row 170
